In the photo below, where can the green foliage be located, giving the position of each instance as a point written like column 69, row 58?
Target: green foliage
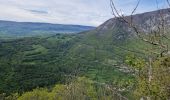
column 135, row 62
column 44, row 61
column 36, row 94
column 79, row 89
column 14, row 96
column 158, row 87
column 33, row 62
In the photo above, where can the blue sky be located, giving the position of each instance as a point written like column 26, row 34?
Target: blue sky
column 82, row 12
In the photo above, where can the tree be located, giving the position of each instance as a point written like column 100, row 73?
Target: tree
column 152, row 71
column 79, row 89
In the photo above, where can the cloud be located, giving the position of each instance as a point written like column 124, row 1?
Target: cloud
column 37, row 11
column 56, row 11
column 83, row 12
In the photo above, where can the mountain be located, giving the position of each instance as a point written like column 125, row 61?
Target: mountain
column 116, row 37
column 108, row 45
column 21, row 29
column 141, row 20
column 98, row 54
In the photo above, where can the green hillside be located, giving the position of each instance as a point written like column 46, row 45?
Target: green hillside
column 33, row 62
column 98, row 55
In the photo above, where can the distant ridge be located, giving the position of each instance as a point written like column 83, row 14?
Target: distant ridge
column 12, row 28
column 45, row 23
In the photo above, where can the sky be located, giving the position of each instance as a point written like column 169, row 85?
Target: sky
column 79, row 12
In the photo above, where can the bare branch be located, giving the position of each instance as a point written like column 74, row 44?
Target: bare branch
column 135, row 7
column 156, row 28
column 168, row 2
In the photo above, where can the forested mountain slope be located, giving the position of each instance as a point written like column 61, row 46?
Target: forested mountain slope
column 98, row 54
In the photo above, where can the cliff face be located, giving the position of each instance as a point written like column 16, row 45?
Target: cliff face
column 144, row 21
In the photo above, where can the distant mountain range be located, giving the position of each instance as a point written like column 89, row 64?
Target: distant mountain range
column 21, row 29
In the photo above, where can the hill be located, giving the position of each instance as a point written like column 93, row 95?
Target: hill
column 24, row 29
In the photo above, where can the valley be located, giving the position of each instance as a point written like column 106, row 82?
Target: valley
column 50, row 62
